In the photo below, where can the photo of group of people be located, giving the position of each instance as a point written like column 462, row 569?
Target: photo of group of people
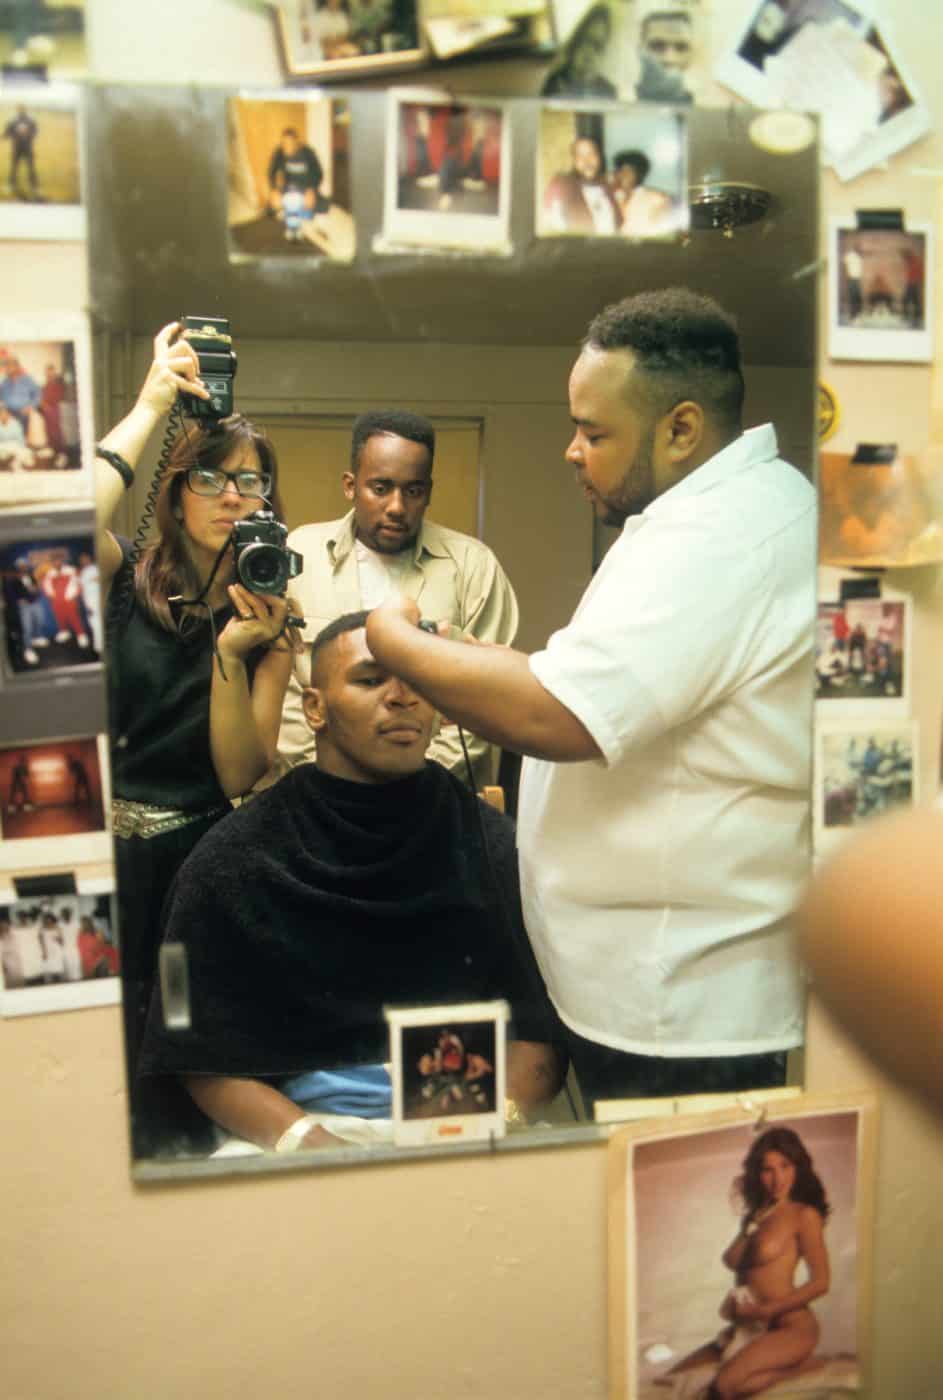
column 289, row 179
column 859, row 650
column 51, row 604
column 612, row 174
column 447, row 174
column 39, row 420
column 334, row 38
column 40, row 177
column 634, row 50
column 50, row 790
column 56, row 939
column 865, row 771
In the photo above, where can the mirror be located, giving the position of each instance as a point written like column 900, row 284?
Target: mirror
column 481, row 344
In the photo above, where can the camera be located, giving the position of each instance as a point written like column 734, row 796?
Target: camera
column 210, row 338
column 264, row 563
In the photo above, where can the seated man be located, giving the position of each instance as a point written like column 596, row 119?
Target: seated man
column 356, row 882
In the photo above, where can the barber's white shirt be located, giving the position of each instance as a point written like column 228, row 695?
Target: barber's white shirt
column 658, row 880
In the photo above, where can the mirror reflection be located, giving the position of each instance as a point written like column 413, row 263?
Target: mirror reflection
column 428, row 467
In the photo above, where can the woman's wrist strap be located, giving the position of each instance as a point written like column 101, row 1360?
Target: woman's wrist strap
column 115, row 459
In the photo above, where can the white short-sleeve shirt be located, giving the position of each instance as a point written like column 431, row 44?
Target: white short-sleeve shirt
column 658, row 880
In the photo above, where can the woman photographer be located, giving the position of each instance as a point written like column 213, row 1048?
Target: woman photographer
column 196, row 686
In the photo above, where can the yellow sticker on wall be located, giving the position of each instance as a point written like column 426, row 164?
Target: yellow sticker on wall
column 829, row 412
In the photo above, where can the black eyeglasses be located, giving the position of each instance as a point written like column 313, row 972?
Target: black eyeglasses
column 208, row 481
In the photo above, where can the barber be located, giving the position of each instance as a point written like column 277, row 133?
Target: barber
column 664, row 810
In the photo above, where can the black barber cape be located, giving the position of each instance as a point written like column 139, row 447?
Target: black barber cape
column 312, row 907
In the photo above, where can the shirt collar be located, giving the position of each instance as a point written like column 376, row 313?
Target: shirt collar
column 429, row 540
column 751, row 447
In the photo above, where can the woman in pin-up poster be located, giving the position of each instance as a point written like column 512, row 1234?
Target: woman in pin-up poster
column 770, row 1331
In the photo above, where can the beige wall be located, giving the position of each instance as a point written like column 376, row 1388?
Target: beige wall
column 478, row 1277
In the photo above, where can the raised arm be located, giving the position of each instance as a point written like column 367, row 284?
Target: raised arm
column 490, row 690
column 174, row 368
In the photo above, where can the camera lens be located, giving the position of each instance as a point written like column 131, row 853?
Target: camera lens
column 262, row 568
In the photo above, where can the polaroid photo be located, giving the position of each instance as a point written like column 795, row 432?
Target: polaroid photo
column 51, row 604
column 698, row 1206
column 879, row 508
column 863, row 653
column 902, row 115
column 58, row 953
column 448, row 174
column 40, row 169
column 448, row 1068
column 863, row 769
column 880, row 293
column 43, row 41
column 766, row 39
column 45, row 409
column 330, row 39
column 289, row 178
column 54, row 801
column 633, row 50
column 612, row 173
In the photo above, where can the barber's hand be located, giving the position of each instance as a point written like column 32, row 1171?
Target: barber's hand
column 175, row 368
column 259, row 618
column 397, row 608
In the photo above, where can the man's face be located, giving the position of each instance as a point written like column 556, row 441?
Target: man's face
column 586, row 159
column 370, row 726
column 389, row 492
column 669, row 43
column 290, row 145
column 613, row 445
column 587, row 55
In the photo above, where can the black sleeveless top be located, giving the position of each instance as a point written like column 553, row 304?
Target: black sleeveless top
column 159, row 703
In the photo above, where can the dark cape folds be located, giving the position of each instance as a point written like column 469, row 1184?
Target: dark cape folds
column 311, row 908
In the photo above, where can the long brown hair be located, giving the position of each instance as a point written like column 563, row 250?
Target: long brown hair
column 165, row 567
column 807, row 1188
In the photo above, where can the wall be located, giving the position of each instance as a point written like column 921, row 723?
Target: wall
column 478, row 1277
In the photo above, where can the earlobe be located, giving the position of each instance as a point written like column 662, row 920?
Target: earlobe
column 347, row 482
column 312, row 706
column 685, row 430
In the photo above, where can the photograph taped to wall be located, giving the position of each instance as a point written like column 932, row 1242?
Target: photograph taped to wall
column 863, row 769
column 862, row 653
column 53, row 801
column 635, row 50
column 58, row 953
column 41, row 188
column 344, row 38
column 448, row 1068
column 45, row 409
column 289, row 178
column 612, row 173
column 44, row 40
column 455, row 27
column 715, row 1219
column 880, row 293
column 880, row 507
column 52, row 618
column 448, row 174
column 902, row 114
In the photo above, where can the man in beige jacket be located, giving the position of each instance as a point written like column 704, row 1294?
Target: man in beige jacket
column 385, row 545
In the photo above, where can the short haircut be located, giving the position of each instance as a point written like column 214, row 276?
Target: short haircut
column 667, row 16
column 290, row 131
column 639, row 162
column 396, row 421
column 347, row 622
column 685, row 346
